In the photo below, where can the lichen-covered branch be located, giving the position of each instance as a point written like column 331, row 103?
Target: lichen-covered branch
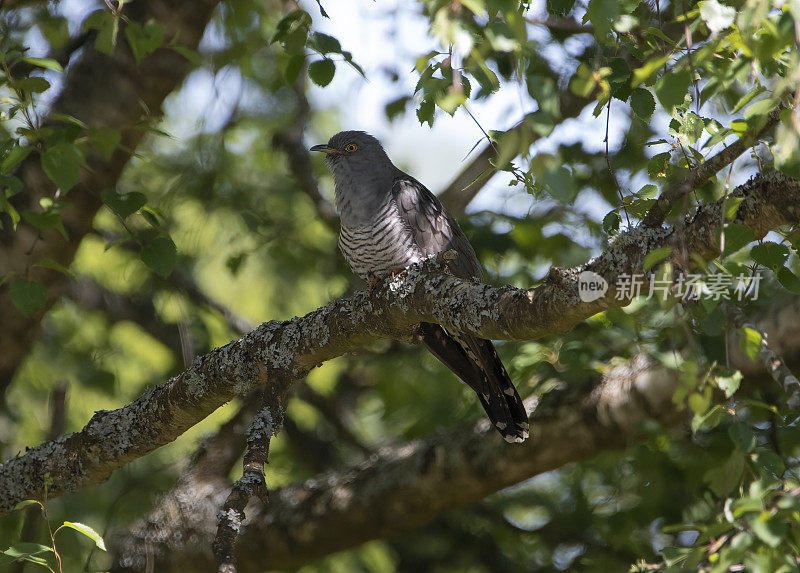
column 279, row 352
column 627, row 394
column 403, row 487
column 230, row 518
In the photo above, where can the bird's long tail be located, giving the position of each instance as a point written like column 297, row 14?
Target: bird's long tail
column 476, row 362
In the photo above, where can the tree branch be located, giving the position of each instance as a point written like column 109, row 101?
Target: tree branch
column 406, row 486
column 703, row 172
column 279, row 536
column 468, row 183
column 279, row 352
column 263, row 426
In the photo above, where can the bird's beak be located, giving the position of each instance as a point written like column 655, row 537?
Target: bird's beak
column 325, row 148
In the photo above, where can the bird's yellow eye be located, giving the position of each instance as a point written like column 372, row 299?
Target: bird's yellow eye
column 350, row 147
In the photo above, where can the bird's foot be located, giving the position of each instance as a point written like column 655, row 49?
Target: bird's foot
column 372, row 284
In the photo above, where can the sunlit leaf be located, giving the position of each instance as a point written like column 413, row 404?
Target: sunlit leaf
column 160, row 255
column 88, row 532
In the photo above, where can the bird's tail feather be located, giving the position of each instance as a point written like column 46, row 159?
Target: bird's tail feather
column 476, row 362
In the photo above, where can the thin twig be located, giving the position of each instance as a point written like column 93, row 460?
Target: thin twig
column 688, row 35
column 265, row 424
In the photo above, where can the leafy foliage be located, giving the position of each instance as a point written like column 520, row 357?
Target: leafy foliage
column 210, row 224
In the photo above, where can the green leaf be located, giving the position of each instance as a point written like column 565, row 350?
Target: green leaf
column 105, row 140
column 691, row 127
column 69, row 119
column 611, row 222
column 709, row 420
column 24, row 548
column 348, row 57
column 475, row 6
column 560, row 184
column 26, row 503
column 789, row 280
column 739, row 126
column 732, row 207
column 321, row 72
column 729, row 384
column 749, row 342
column 643, row 103
column 451, row 101
column 658, row 165
column 62, row 163
column 192, row 55
column 672, row 88
column 770, row 255
column 675, row 555
column 769, row 528
column 723, row 479
column 639, row 207
column 125, row 204
column 107, row 26
column 761, row 107
column 49, row 263
column 160, row 255
column 742, row 435
column 88, row 532
column 292, row 67
column 747, row 98
column 34, row 85
column 8, row 208
column 396, row 107
column 736, row 237
column 648, row 191
column 144, row 40
column 508, row 149
column 9, row 185
column 292, row 31
column 29, row 297
column 15, row 157
column 426, row 112
column 26, row 552
column 644, row 73
column 46, row 63
column 42, row 221
column 324, row 43
column 770, row 463
column 602, row 14
column 656, row 256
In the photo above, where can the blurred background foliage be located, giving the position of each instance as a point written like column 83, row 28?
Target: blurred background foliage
column 218, row 224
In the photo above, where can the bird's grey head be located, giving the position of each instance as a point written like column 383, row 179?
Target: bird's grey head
column 354, row 153
column 362, row 172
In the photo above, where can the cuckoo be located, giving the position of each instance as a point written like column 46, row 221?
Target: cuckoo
column 389, row 220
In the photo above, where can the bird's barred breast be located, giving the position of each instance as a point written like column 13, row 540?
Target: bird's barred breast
column 380, row 247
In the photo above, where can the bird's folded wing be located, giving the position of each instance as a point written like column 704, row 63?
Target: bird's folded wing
column 433, row 229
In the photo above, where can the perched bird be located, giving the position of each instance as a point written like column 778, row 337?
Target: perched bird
column 389, row 220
